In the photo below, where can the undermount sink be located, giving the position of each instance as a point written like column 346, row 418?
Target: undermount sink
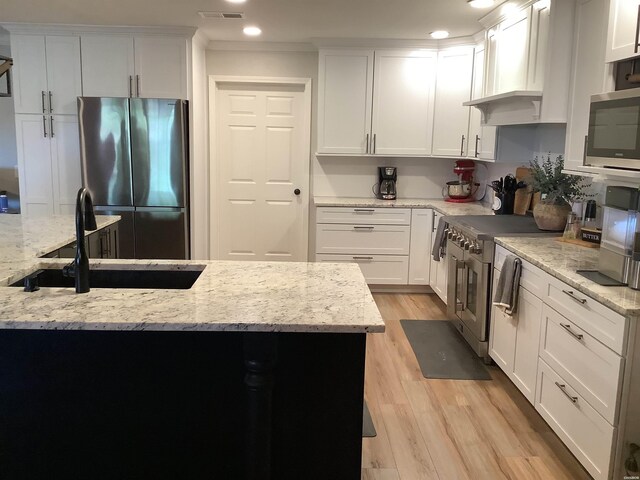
column 142, row 278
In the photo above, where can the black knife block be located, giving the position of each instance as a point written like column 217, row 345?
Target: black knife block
column 507, row 201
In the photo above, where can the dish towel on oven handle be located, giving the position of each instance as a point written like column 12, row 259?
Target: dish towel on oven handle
column 440, row 243
column 506, row 294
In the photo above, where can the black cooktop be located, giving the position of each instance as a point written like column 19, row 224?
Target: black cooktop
column 487, row 227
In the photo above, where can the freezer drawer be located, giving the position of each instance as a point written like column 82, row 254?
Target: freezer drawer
column 161, row 234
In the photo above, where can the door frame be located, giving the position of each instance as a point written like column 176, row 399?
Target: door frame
column 214, row 161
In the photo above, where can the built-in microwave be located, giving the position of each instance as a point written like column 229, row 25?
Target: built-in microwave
column 614, row 130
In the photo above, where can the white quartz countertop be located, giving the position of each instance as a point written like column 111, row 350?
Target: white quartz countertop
column 561, row 260
column 445, row 208
column 228, row 296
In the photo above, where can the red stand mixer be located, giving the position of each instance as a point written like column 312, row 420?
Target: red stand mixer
column 464, row 189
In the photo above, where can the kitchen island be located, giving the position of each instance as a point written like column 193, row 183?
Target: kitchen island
column 256, row 371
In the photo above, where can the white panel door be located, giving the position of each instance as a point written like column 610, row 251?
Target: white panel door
column 107, row 65
column 263, row 158
column 64, row 76
column 29, row 73
column 502, row 334
column 622, row 32
column 482, row 138
column 491, row 63
column 538, row 44
column 34, row 164
column 513, row 52
column 403, row 95
column 161, row 67
column 420, row 246
column 344, row 105
column 453, row 87
column 65, row 160
column 433, row 268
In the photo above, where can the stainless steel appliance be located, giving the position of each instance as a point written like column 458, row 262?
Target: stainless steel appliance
column 387, row 176
column 614, row 130
column 470, row 250
column 134, row 155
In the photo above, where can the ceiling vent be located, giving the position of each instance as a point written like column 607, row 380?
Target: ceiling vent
column 224, row 15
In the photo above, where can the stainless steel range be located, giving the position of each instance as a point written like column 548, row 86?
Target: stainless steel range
column 470, row 249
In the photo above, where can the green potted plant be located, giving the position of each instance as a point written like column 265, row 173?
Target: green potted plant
column 558, row 191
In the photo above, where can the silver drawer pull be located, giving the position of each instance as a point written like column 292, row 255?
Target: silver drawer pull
column 573, row 296
column 578, row 336
column 562, row 389
column 364, row 210
column 363, row 228
column 362, row 258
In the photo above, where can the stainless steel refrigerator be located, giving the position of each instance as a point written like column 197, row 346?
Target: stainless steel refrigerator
column 134, row 155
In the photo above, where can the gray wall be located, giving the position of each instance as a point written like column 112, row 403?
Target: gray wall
column 8, row 155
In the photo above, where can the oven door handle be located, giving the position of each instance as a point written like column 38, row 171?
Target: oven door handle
column 453, row 306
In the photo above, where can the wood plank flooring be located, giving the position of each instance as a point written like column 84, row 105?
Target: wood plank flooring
column 449, row 429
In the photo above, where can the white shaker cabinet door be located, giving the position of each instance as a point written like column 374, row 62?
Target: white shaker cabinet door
column 622, row 41
column 513, row 49
column 107, row 65
column 63, row 74
column 403, row 96
column 344, row 107
column 161, row 67
column 420, row 246
column 29, row 73
column 65, row 160
column 482, row 138
column 502, row 334
column 453, row 87
column 34, row 164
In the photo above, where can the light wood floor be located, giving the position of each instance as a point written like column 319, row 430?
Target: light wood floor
column 449, row 429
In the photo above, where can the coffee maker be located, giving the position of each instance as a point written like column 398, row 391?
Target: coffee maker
column 387, row 177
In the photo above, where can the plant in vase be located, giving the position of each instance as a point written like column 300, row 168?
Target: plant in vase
column 558, row 191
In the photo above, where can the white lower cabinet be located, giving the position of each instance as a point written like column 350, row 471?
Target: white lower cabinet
column 377, row 269
column 363, row 239
column 439, row 270
column 578, row 424
column 422, row 229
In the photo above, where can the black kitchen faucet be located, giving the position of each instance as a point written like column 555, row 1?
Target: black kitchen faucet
column 85, row 220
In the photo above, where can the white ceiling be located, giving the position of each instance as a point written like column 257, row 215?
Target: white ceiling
column 280, row 20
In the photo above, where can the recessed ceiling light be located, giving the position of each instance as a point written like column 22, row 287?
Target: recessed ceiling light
column 481, row 3
column 438, row 34
column 252, row 31
column 236, row 1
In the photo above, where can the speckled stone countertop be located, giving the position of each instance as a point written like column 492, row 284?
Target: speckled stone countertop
column 228, row 296
column 561, row 260
column 23, row 240
column 446, row 208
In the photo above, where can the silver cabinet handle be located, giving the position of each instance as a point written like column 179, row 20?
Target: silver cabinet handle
column 130, row 86
column 363, row 228
column 567, row 327
column 364, row 210
column 374, row 143
column 43, row 108
column 367, row 144
column 362, row 258
column 137, row 85
column 573, row 296
column 562, row 388
column 50, row 102
column 462, row 146
column 477, row 140
column 51, row 123
column 637, row 42
column 44, row 125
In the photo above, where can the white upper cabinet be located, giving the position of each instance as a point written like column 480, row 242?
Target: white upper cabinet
column 622, row 36
column 161, row 67
column 65, row 162
column 482, row 138
column 453, row 87
column 149, row 66
column 403, row 96
column 47, row 73
column 540, row 21
column 107, row 65
column 513, row 49
column 344, row 108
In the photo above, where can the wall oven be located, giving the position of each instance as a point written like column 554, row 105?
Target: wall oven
column 614, row 130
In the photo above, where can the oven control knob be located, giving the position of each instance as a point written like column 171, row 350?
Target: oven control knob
column 467, row 246
column 477, row 249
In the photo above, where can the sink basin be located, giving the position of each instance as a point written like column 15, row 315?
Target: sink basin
column 120, row 278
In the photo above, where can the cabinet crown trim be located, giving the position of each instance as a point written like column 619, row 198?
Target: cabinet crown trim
column 59, row 29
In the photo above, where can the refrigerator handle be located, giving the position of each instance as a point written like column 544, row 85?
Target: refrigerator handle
column 137, row 85
column 130, row 86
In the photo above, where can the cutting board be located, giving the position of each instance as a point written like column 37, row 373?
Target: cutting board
column 524, row 195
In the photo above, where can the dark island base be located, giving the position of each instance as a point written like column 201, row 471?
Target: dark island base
column 180, row 405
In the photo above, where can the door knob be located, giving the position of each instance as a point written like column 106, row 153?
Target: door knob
column 297, row 191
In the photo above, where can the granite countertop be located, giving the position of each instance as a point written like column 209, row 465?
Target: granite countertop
column 561, row 260
column 445, row 208
column 228, row 296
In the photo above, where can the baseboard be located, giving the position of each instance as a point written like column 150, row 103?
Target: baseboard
column 400, row 289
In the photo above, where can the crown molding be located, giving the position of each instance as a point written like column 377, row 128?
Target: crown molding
column 200, row 39
column 383, row 43
column 502, row 12
column 53, row 29
column 253, row 46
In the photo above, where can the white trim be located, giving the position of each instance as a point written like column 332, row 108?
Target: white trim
column 214, row 198
column 65, row 29
column 260, row 46
column 502, row 11
column 200, row 39
column 390, row 43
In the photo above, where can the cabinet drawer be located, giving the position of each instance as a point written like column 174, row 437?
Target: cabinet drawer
column 377, row 269
column 532, row 278
column 599, row 321
column 581, row 428
column 363, row 215
column 593, row 370
column 363, row 239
